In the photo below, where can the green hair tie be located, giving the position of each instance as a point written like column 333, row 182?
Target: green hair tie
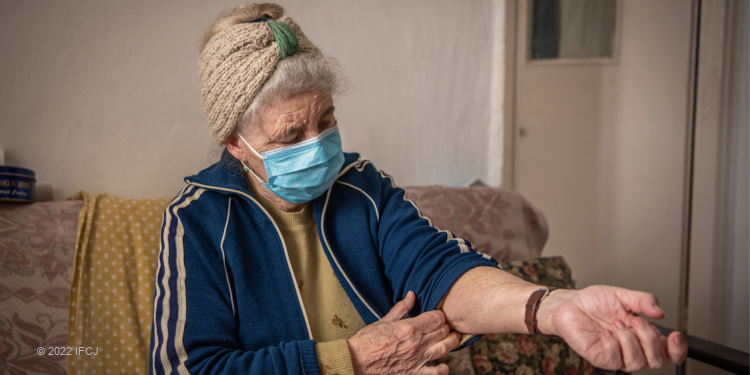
column 285, row 38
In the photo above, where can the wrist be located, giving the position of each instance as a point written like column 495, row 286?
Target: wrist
column 354, row 355
column 532, row 306
column 546, row 311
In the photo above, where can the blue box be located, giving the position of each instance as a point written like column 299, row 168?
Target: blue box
column 17, row 184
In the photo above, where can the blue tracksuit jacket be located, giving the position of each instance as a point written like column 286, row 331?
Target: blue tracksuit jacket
column 226, row 300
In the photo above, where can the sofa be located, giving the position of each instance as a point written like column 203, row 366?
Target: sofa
column 76, row 281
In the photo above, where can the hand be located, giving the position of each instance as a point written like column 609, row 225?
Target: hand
column 600, row 323
column 394, row 345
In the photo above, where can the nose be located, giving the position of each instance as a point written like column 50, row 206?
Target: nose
column 311, row 132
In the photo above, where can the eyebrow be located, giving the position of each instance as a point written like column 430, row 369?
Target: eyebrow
column 298, row 127
column 327, row 112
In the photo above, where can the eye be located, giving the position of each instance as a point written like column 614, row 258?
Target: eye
column 296, row 137
column 327, row 124
column 291, row 138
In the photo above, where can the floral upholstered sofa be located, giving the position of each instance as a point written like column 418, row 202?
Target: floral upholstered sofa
column 76, row 281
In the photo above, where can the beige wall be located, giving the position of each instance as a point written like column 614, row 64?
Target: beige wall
column 103, row 96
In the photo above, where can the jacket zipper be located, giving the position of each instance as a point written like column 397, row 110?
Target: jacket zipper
column 327, row 246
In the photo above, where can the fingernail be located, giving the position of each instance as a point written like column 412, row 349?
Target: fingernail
column 659, row 309
column 619, row 324
column 678, row 339
column 607, row 333
column 639, row 323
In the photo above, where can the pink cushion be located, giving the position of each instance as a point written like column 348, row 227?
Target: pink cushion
column 496, row 221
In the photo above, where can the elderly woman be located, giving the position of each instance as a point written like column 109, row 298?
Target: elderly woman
column 289, row 256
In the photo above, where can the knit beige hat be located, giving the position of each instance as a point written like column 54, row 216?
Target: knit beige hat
column 236, row 62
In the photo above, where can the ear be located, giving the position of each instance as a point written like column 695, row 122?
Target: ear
column 234, row 147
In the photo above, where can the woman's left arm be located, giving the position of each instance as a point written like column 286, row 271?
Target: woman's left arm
column 599, row 322
column 417, row 256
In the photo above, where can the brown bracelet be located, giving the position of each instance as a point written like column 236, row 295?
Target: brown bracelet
column 531, row 308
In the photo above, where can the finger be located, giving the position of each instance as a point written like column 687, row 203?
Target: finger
column 434, row 337
column 632, row 355
column 400, row 309
column 610, row 356
column 441, row 369
column 677, row 347
column 665, row 343
column 427, row 322
column 651, row 342
column 440, row 349
column 641, row 302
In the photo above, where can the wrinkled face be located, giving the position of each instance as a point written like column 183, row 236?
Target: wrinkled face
column 285, row 122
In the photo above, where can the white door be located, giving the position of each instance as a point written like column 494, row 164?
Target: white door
column 600, row 148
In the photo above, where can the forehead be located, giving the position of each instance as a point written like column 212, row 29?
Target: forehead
column 297, row 110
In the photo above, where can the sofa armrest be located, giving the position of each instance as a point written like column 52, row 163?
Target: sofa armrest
column 37, row 246
column 497, row 221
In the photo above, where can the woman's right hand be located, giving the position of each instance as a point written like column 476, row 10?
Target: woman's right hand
column 394, row 345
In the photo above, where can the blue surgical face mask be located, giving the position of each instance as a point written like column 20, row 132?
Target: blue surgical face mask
column 303, row 171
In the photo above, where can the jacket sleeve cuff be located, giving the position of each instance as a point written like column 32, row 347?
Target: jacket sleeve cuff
column 334, row 358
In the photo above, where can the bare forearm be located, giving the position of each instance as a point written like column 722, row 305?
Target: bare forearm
column 487, row 300
column 601, row 323
column 490, row 300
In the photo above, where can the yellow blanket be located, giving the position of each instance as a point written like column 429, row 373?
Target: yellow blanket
column 111, row 298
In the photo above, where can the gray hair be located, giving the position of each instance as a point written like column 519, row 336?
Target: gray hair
column 299, row 73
